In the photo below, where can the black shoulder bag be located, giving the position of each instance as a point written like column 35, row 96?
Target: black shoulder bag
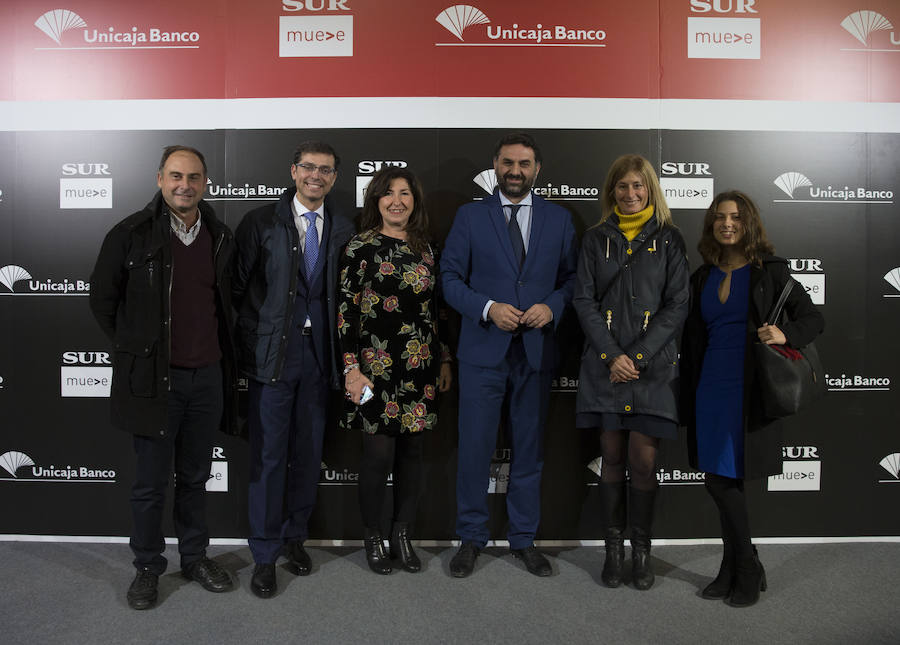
column 789, row 379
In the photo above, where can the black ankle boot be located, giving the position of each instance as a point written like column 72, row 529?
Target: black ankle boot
column 614, row 564
column 401, row 548
column 749, row 581
column 613, row 499
column 375, row 555
column 641, row 508
column 723, row 583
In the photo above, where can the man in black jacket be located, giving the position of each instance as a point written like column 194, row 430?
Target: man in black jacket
column 284, row 291
column 161, row 292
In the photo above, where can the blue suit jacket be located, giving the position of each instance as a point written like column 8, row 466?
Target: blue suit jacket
column 478, row 265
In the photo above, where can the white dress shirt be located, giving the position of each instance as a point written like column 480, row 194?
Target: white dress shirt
column 523, row 217
column 302, row 222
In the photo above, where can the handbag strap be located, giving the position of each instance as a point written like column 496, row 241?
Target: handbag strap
column 772, row 318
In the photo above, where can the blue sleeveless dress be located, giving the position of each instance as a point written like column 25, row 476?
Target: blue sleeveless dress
column 720, row 394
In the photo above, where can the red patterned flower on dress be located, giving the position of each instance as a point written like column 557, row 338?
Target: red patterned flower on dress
column 391, row 303
column 391, row 409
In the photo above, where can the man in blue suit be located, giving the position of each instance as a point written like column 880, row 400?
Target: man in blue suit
column 509, row 268
column 284, row 290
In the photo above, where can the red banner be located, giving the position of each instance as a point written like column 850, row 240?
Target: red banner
column 711, row 49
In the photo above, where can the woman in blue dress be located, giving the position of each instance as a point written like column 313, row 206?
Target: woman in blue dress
column 728, row 437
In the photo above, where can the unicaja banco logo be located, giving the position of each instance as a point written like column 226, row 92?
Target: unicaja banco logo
column 790, row 181
column 487, row 179
column 522, row 33
column 13, row 460
column 891, row 463
column 11, row 274
column 861, row 24
column 55, row 23
column 457, row 18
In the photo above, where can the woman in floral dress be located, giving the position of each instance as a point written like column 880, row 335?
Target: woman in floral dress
column 388, row 326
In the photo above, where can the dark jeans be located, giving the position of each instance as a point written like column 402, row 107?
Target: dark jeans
column 195, row 411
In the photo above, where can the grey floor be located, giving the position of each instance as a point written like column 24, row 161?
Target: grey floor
column 822, row 593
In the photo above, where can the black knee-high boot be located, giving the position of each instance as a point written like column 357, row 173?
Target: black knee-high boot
column 613, row 498
column 640, row 507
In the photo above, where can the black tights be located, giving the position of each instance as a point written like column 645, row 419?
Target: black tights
column 641, row 458
column 728, row 494
column 380, row 454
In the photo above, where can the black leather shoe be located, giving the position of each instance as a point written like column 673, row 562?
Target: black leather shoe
column 142, row 592
column 401, row 548
column 209, row 574
column 298, row 558
column 263, row 581
column 463, row 563
column 376, row 556
column 534, row 561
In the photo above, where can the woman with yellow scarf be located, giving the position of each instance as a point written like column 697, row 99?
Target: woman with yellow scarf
column 632, row 299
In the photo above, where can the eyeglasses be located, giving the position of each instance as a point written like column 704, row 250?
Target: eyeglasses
column 325, row 171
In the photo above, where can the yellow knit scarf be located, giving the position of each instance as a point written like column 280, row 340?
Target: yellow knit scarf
column 631, row 225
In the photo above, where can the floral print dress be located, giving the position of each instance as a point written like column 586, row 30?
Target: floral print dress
column 387, row 324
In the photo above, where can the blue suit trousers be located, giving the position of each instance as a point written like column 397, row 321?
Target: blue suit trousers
column 482, row 392
column 286, row 424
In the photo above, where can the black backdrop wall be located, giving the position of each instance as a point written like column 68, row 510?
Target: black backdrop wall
column 827, row 200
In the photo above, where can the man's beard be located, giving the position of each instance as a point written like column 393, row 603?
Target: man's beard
column 514, row 191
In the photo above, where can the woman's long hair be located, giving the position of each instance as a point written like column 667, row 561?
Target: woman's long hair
column 417, row 225
column 754, row 242
column 621, row 167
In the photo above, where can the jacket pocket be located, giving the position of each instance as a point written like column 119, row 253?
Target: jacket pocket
column 136, row 362
column 142, row 311
column 144, row 270
column 254, row 341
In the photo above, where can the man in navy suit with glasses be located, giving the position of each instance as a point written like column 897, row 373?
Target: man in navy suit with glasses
column 284, row 286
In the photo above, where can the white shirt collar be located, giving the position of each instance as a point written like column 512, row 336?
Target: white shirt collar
column 300, row 210
column 504, row 201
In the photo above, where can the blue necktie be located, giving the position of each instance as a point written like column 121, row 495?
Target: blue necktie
column 515, row 234
column 311, row 249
